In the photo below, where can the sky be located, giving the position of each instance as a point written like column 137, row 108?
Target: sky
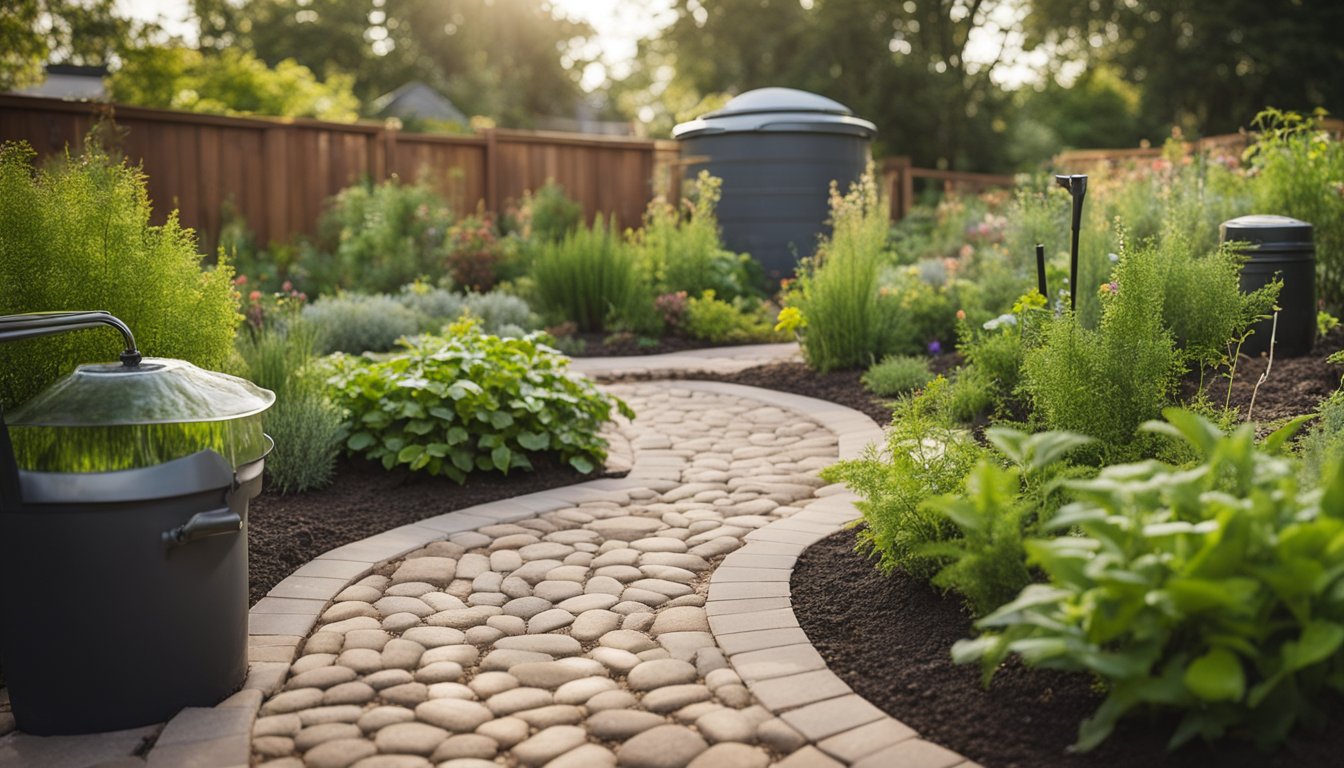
column 619, row 24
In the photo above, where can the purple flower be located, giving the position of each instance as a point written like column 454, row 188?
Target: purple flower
column 935, row 348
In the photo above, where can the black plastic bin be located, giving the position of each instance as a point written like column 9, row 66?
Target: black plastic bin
column 777, row 151
column 1279, row 246
column 108, row 623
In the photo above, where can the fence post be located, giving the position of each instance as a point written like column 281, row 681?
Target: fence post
column 491, row 171
column 900, row 186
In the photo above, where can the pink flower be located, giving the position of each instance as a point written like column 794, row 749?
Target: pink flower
column 287, row 286
column 240, row 280
column 254, row 296
column 961, row 314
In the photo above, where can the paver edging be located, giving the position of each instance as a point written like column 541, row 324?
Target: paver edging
column 780, row 666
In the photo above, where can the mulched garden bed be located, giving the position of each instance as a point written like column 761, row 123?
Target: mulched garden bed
column 284, row 532
column 890, row 638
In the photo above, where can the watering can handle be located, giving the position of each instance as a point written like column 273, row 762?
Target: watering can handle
column 216, row 522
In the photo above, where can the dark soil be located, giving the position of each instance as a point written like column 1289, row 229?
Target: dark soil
column 889, row 640
column 628, row 344
column 1294, row 386
column 284, row 532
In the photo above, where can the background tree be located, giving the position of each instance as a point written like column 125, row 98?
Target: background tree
column 510, row 60
column 1208, row 66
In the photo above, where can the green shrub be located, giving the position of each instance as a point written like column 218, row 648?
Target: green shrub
column 998, row 509
column 356, row 322
column 1211, row 593
column 1298, row 169
column 743, row 321
column 545, row 216
column 589, row 277
column 1323, row 446
column 923, row 457
column 685, row 252
column 463, row 402
column 472, row 253
column 1202, row 302
column 378, row 238
column 76, row 236
column 1104, row 383
column 896, row 375
column 307, row 428
column 838, row 291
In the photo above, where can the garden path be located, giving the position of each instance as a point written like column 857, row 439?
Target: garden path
column 641, row 621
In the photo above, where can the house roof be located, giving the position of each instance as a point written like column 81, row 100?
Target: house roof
column 417, row 100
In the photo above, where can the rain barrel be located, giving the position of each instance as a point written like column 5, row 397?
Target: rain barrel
column 1283, row 247
column 777, row 151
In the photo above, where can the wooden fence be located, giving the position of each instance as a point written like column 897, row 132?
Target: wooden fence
column 899, row 177
column 277, row 173
column 1233, row 144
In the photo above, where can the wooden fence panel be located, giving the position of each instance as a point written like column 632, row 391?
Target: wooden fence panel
column 277, row 174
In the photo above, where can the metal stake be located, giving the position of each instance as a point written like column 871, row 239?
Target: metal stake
column 1077, row 186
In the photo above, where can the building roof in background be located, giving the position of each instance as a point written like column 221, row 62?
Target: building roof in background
column 415, row 100
column 66, row 81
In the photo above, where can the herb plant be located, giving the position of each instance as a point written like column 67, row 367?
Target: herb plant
column 896, row 375
column 1214, row 591
column 590, row 277
column 466, row 402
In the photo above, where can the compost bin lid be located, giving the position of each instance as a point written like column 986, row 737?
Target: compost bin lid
column 157, row 391
column 1264, row 228
column 780, row 110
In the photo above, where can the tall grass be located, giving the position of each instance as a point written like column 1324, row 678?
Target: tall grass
column 589, row 277
column 838, row 296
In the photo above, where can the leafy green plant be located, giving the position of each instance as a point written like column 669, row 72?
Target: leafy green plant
column 1323, row 445
column 734, row 322
column 1212, row 592
column 996, row 511
column 465, row 402
column 1298, row 169
column 589, row 277
column 307, row 428
column 923, row 457
column 837, row 291
column 681, row 250
column 76, row 236
column 896, row 375
column 546, row 215
column 376, row 238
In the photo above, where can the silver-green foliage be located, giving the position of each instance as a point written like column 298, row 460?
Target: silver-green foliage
column 1213, row 592
column 355, row 323
column 306, row 426
column 897, row 374
column 76, row 236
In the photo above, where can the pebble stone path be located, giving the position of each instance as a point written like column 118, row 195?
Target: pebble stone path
column 641, row 622
column 579, row 637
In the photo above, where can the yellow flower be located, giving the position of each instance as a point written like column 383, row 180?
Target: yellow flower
column 790, row 319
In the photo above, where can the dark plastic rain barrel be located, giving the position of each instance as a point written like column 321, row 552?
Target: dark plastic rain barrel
column 108, row 624
column 777, row 151
column 1279, row 246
